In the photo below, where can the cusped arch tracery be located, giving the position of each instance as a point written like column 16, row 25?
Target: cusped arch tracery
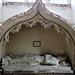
column 31, row 23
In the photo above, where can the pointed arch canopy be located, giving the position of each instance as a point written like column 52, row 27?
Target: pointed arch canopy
column 38, row 13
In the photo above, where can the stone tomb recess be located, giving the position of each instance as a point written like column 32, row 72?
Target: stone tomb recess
column 38, row 41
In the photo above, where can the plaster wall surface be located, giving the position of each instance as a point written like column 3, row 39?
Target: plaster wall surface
column 2, row 50
column 11, row 10
column 73, row 10
column 22, row 42
column 0, row 10
column 65, row 12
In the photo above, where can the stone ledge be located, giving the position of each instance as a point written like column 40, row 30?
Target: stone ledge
column 31, row 73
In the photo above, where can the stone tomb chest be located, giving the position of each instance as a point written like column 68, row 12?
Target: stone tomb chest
column 37, row 35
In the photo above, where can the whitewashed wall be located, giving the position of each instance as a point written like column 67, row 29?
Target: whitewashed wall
column 11, row 10
column 0, row 9
column 73, row 10
column 65, row 12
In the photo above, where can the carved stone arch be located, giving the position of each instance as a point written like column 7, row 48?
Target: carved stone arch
column 27, row 24
column 33, row 23
column 45, row 17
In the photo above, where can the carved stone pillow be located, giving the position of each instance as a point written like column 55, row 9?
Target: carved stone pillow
column 50, row 60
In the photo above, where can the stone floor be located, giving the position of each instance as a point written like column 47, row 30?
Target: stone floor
column 24, row 73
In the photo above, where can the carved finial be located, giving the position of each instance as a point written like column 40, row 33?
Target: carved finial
column 38, row 2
